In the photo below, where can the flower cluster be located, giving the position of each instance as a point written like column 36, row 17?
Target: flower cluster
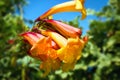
column 56, row 44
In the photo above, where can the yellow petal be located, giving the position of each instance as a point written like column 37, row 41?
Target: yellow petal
column 72, row 51
column 83, row 13
column 50, row 64
column 46, row 66
column 60, row 40
column 78, row 4
column 67, row 66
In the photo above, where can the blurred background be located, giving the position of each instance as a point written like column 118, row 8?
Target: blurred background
column 100, row 58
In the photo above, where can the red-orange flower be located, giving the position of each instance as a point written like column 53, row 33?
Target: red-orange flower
column 44, row 49
column 62, row 47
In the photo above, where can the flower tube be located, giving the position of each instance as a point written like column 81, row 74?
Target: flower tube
column 32, row 37
column 64, row 29
column 70, row 6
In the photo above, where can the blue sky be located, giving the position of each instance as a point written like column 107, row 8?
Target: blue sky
column 36, row 8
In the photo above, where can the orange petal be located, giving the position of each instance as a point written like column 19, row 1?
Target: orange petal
column 72, row 51
column 43, row 49
column 49, row 65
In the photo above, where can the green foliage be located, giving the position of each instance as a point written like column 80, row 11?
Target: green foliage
column 100, row 58
column 105, row 34
column 11, row 48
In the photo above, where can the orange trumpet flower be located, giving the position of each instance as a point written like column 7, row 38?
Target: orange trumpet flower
column 70, row 6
